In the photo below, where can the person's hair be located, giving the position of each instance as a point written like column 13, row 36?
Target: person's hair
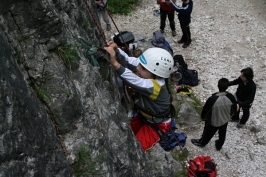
column 223, row 84
column 248, row 73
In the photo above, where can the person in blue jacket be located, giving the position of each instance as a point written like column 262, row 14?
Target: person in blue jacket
column 184, row 17
column 245, row 94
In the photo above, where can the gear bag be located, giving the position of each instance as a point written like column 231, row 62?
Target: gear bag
column 127, row 37
column 201, row 166
column 188, row 76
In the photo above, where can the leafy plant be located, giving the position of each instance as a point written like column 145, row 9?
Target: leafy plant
column 86, row 165
column 121, row 7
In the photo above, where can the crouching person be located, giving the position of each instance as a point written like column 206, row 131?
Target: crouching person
column 152, row 99
column 216, row 113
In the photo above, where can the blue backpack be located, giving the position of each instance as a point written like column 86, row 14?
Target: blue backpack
column 172, row 139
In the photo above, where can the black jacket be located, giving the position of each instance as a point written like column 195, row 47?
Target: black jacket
column 245, row 92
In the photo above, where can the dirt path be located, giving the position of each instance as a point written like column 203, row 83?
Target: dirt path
column 227, row 36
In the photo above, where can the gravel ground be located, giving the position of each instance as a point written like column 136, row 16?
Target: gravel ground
column 227, row 37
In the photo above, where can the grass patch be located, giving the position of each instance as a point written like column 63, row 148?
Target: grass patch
column 18, row 56
column 86, row 24
column 86, row 165
column 196, row 103
column 121, row 7
column 68, row 53
column 181, row 157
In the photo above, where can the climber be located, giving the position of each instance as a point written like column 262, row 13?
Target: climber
column 152, row 99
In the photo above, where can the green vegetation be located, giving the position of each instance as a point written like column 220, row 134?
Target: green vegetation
column 196, row 103
column 86, row 165
column 39, row 86
column 181, row 157
column 23, row 38
column 68, row 53
column 121, row 7
column 18, row 56
column 86, row 24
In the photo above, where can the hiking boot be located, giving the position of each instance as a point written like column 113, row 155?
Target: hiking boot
column 174, row 33
column 108, row 27
column 239, row 125
column 162, row 31
column 196, row 142
column 180, row 42
column 185, row 45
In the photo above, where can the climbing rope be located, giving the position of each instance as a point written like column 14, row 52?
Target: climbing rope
column 96, row 23
column 109, row 14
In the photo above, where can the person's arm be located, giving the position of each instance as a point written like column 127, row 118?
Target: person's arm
column 234, row 82
column 123, row 58
column 207, row 108
column 187, row 8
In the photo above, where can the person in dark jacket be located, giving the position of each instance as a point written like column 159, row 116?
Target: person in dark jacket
column 166, row 10
column 245, row 94
column 217, row 113
column 184, row 17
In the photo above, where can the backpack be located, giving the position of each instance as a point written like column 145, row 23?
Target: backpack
column 201, row 166
column 158, row 40
column 127, row 37
column 188, row 76
column 167, row 45
column 171, row 139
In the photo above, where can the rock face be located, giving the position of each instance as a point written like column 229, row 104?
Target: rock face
column 57, row 109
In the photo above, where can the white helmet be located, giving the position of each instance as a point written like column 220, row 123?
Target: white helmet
column 158, row 61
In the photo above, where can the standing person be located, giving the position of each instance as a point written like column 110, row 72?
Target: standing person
column 166, row 10
column 101, row 11
column 184, row 16
column 245, row 94
column 216, row 113
column 152, row 100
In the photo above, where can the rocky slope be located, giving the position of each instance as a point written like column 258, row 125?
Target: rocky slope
column 227, row 36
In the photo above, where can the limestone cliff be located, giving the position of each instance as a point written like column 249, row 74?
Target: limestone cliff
column 56, row 109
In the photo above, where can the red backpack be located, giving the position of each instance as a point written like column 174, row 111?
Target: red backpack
column 201, row 166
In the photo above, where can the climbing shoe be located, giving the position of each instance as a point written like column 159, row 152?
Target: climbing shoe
column 174, row 33
column 108, row 27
